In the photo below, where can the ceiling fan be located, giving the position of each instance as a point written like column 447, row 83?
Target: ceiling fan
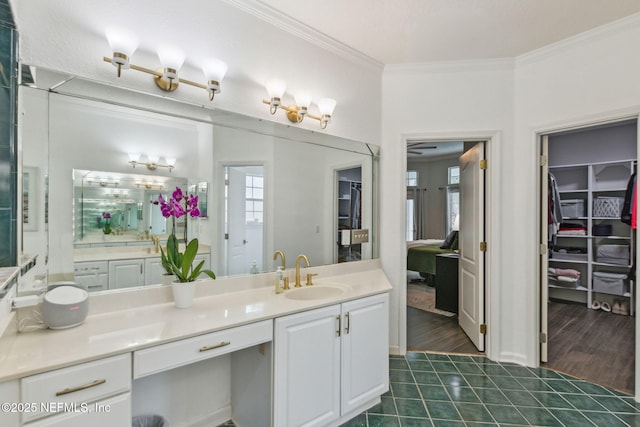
column 418, row 147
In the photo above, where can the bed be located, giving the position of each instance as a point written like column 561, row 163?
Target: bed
column 421, row 254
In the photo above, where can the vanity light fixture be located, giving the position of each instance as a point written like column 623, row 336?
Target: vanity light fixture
column 149, row 185
column 153, row 161
column 296, row 113
column 124, row 43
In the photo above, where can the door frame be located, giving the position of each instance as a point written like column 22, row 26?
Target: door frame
column 336, row 172
column 537, row 135
column 493, row 142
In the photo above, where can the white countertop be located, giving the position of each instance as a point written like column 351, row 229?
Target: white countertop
column 7, row 274
column 123, row 252
column 138, row 326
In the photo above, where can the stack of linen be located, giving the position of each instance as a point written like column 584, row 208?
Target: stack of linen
column 567, row 277
column 572, row 229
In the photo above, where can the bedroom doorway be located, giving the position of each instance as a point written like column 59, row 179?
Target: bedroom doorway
column 434, row 208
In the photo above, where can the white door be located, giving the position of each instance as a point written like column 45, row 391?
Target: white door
column 307, row 368
column 544, row 255
column 471, row 237
column 245, row 218
column 365, row 348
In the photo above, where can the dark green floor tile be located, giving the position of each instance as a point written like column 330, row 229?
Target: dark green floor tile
column 534, row 384
column 604, row 419
column 474, row 412
column 521, row 398
column 438, row 357
column 462, row 394
column 632, row 419
column 405, row 390
column 593, row 389
column 398, row 364
column 433, row 392
column 631, row 401
column 539, row 417
column 415, row 422
column 491, row 395
column 520, row 371
column 545, row 373
column 414, row 355
column 442, row 411
column 450, row 379
column 388, row 393
column 386, row 406
column 614, row 404
column 506, row 414
column 400, row 376
column 460, row 358
column 563, row 386
column 426, row 377
column 571, row 418
column 551, row 400
column 494, row 370
column 359, row 421
column 583, row 402
column 479, row 381
column 411, row 408
column 421, row 365
column 507, row 383
column 468, row 368
column 483, row 359
column 444, row 367
column 376, row 420
column 447, row 423
column 475, row 424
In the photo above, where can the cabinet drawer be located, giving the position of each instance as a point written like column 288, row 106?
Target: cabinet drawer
column 83, row 383
column 175, row 354
column 90, row 267
column 115, row 411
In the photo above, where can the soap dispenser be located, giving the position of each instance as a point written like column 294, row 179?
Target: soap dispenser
column 254, row 267
column 278, row 281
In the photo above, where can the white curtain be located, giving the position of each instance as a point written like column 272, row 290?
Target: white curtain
column 419, row 197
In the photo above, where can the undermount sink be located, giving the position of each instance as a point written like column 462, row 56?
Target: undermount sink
column 319, row 291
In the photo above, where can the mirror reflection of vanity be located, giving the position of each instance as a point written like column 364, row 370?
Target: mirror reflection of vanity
column 262, row 186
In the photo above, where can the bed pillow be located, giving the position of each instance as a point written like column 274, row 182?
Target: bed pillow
column 448, row 242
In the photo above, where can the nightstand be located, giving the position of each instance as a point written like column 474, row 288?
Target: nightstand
column 447, row 282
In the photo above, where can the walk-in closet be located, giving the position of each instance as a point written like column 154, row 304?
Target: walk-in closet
column 590, row 273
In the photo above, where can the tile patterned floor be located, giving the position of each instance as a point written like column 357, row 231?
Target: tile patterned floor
column 449, row 391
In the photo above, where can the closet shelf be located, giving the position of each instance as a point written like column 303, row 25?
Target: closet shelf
column 568, row 261
column 580, row 288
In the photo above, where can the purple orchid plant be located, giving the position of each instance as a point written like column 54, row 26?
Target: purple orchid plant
column 173, row 261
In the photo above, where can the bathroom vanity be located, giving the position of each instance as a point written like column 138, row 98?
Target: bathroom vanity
column 314, row 355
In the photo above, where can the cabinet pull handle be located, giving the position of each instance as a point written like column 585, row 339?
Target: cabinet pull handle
column 346, row 330
column 213, row 347
column 339, row 319
column 82, row 387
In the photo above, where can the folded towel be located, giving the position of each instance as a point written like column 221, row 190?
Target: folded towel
column 567, row 272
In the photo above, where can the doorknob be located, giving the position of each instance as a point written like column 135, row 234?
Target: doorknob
column 244, row 242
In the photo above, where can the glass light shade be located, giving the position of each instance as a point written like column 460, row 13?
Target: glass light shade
column 134, row 157
column 152, row 158
column 276, row 88
column 171, row 161
column 326, row 106
column 172, row 58
column 303, row 99
column 121, row 40
column 214, row 69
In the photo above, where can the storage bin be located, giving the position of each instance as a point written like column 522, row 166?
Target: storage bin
column 568, row 256
column 572, row 208
column 609, row 283
column 607, row 207
column 602, row 230
column 613, row 254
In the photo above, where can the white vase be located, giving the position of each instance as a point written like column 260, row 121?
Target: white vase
column 106, row 237
column 168, row 279
column 183, row 293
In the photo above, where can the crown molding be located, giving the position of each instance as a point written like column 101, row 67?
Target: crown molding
column 294, row 27
column 451, row 66
column 598, row 33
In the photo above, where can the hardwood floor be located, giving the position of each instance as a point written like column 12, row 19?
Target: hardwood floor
column 592, row 344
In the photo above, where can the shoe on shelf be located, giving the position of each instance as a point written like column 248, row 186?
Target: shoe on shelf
column 617, row 306
column 595, row 305
column 605, row 306
column 624, row 307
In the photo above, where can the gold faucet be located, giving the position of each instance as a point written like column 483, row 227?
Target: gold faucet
column 275, row 256
column 300, row 257
column 156, row 243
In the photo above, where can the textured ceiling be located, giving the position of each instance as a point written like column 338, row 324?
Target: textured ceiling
column 415, row 31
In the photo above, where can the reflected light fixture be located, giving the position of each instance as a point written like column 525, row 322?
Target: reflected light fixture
column 153, row 161
column 124, row 43
column 296, row 113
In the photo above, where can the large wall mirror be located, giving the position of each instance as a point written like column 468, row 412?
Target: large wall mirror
column 94, row 149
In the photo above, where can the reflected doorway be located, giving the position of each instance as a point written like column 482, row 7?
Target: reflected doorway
column 244, row 218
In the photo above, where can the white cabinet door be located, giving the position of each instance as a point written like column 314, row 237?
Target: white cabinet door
column 307, row 368
column 115, row 411
column 93, row 275
column 126, row 273
column 365, row 348
column 153, row 271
